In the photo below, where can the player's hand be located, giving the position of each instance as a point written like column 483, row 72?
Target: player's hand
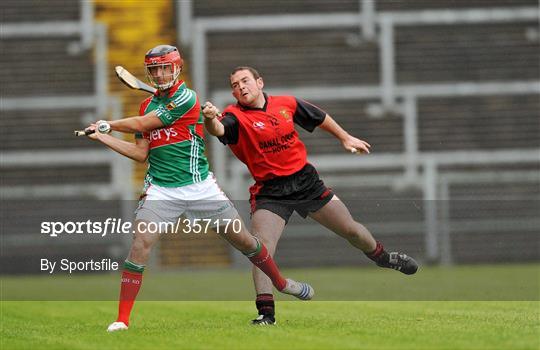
column 355, row 145
column 92, row 127
column 210, row 111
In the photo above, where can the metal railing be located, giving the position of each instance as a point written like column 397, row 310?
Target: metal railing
column 102, row 106
column 420, row 169
column 91, row 35
column 409, row 94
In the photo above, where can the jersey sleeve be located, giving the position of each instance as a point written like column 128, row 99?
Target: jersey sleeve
column 175, row 109
column 231, row 124
column 307, row 115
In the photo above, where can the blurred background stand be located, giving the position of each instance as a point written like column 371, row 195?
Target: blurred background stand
column 446, row 92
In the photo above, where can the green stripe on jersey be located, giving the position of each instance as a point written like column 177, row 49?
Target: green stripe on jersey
column 179, row 105
column 197, row 155
column 178, row 164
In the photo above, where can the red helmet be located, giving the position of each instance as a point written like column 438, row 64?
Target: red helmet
column 163, row 65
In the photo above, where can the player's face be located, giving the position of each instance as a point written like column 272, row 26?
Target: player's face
column 161, row 73
column 246, row 89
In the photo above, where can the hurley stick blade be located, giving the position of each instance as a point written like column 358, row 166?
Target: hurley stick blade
column 131, row 81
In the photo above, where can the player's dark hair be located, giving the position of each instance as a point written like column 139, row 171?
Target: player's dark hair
column 253, row 71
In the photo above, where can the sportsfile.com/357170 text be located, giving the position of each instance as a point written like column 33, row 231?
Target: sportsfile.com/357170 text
column 119, row 226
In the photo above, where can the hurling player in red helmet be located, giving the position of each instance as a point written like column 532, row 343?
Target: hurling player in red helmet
column 163, row 65
column 169, row 136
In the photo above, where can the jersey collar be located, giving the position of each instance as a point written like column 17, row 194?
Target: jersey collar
column 254, row 108
column 178, row 86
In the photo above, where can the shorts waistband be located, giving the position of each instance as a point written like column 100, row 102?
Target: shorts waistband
column 287, row 178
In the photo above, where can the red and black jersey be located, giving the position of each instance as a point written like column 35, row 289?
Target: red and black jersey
column 265, row 138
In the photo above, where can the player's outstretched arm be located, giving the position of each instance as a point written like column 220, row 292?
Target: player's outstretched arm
column 137, row 151
column 350, row 143
column 134, row 125
column 211, row 123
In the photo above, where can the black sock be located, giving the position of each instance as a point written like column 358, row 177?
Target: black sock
column 265, row 304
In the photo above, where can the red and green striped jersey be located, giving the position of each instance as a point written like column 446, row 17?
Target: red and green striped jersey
column 176, row 150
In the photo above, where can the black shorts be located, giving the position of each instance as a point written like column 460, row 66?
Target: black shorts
column 303, row 192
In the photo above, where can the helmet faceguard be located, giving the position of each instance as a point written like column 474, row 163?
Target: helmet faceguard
column 163, row 65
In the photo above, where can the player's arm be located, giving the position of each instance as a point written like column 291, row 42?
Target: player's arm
column 211, row 122
column 350, row 143
column 137, row 151
column 140, row 124
column 225, row 128
column 309, row 117
column 160, row 117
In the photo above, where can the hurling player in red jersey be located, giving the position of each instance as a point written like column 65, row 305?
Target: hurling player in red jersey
column 260, row 130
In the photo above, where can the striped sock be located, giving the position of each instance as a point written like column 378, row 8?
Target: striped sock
column 129, row 288
column 262, row 259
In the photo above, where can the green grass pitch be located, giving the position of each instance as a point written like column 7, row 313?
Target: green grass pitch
column 320, row 324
